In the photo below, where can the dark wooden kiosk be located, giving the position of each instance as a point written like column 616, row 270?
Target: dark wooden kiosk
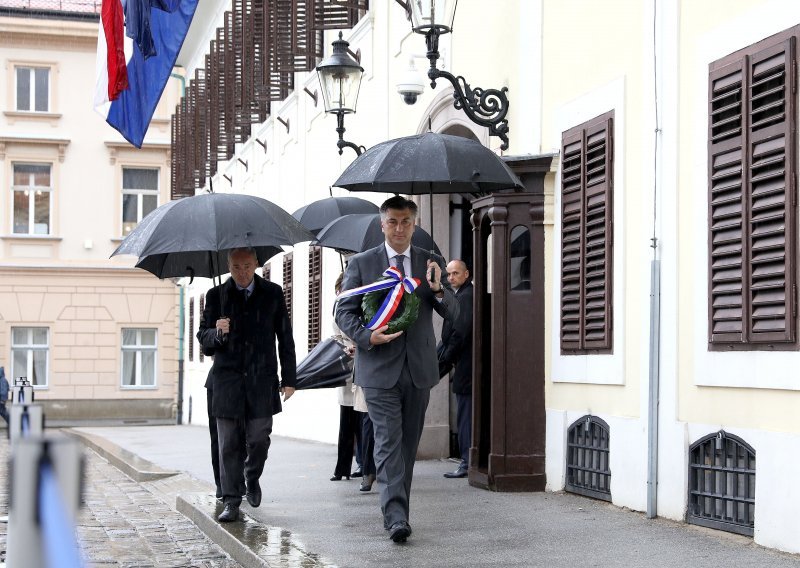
column 508, row 412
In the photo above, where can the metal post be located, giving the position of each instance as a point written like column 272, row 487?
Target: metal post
column 652, row 419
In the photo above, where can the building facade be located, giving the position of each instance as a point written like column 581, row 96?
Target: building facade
column 95, row 336
column 671, row 229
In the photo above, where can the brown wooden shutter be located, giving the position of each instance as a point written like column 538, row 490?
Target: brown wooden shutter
column 338, row 14
column 191, row 329
column 771, row 160
column 287, row 282
column 587, row 237
column 726, row 203
column 314, row 296
column 597, row 236
column 752, row 197
column 571, row 240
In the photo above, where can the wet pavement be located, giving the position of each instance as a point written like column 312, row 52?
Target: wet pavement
column 307, row 520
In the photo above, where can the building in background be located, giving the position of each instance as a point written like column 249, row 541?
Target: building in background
column 95, row 336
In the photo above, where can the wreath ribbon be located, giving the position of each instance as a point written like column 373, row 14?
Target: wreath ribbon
column 391, row 302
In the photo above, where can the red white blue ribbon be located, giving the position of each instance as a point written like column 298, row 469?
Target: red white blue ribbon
column 391, row 302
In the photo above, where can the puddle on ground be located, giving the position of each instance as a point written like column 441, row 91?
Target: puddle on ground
column 277, row 546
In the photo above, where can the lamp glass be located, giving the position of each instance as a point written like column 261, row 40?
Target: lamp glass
column 340, row 86
column 432, row 14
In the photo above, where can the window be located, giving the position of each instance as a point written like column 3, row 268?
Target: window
column 191, row 329
column 520, row 265
column 752, row 225
column 138, row 357
column 722, row 483
column 586, row 237
column 287, row 282
column 29, row 350
column 33, row 89
column 202, row 304
column 139, row 196
column 32, row 199
column 314, row 296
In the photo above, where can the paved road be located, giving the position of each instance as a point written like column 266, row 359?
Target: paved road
column 454, row 524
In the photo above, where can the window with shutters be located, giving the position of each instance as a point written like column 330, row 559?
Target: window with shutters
column 752, row 195
column 587, row 153
column 314, row 296
column 202, row 303
column 287, row 282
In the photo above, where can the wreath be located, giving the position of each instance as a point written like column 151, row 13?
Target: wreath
column 403, row 318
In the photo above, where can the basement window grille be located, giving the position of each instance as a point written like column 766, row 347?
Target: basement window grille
column 722, row 484
column 588, row 473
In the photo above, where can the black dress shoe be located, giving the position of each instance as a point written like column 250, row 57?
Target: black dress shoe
column 399, row 531
column 254, row 494
column 339, row 477
column 357, row 473
column 229, row 514
column 460, row 472
column 366, row 482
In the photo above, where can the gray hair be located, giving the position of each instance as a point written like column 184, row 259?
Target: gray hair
column 248, row 250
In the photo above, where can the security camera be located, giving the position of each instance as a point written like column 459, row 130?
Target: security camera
column 411, row 84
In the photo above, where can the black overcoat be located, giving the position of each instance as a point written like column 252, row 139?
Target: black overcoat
column 244, row 376
column 457, row 342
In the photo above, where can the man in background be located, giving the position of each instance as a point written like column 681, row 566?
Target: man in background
column 455, row 352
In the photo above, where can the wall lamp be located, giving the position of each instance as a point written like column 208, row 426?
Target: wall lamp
column 340, row 79
column 485, row 107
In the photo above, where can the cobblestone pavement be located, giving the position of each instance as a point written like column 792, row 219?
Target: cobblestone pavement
column 124, row 524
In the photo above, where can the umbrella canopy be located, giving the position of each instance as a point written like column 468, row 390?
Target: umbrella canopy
column 357, row 233
column 327, row 365
column 316, row 215
column 428, row 163
column 184, row 237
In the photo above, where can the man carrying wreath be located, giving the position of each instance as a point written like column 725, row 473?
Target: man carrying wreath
column 396, row 370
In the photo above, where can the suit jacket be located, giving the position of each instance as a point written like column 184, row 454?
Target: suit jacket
column 244, row 376
column 456, row 348
column 379, row 366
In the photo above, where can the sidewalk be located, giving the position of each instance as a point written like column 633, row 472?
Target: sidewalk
column 332, row 523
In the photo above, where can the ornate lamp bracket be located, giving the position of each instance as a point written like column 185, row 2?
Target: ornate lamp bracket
column 342, row 143
column 485, row 107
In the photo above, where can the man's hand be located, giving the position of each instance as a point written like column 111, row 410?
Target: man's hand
column 223, row 326
column 434, row 276
column 378, row 336
column 287, row 393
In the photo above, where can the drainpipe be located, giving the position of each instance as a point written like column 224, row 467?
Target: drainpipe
column 181, row 311
column 655, row 288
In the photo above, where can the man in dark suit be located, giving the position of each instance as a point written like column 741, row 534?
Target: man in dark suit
column 242, row 319
column 455, row 352
column 396, row 371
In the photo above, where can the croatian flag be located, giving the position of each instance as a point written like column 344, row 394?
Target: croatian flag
column 137, row 46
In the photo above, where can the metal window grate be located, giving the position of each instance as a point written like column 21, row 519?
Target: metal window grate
column 587, row 458
column 722, row 484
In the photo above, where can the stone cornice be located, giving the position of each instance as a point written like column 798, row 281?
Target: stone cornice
column 60, row 33
column 61, row 143
column 115, row 147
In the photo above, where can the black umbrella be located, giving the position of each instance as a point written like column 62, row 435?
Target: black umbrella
column 357, row 233
column 327, row 365
column 184, row 237
column 316, row 215
column 429, row 163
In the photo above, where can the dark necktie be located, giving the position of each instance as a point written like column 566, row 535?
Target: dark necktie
column 398, row 263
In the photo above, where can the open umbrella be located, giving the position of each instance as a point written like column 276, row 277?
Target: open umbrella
column 357, row 233
column 185, row 237
column 428, row 163
column 327, row 365
column 317, row 214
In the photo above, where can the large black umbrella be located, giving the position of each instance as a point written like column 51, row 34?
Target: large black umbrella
column 316, row 215
column 428, row 163
column 327, row 365
column 357, row 233
column 185, row 237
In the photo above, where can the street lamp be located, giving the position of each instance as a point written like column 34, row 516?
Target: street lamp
column 485, row 107
column 340, row 79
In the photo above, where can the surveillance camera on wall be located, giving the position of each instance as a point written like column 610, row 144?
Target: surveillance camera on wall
column 411, row 84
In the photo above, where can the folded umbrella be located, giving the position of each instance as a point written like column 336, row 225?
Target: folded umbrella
column 326, row 366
